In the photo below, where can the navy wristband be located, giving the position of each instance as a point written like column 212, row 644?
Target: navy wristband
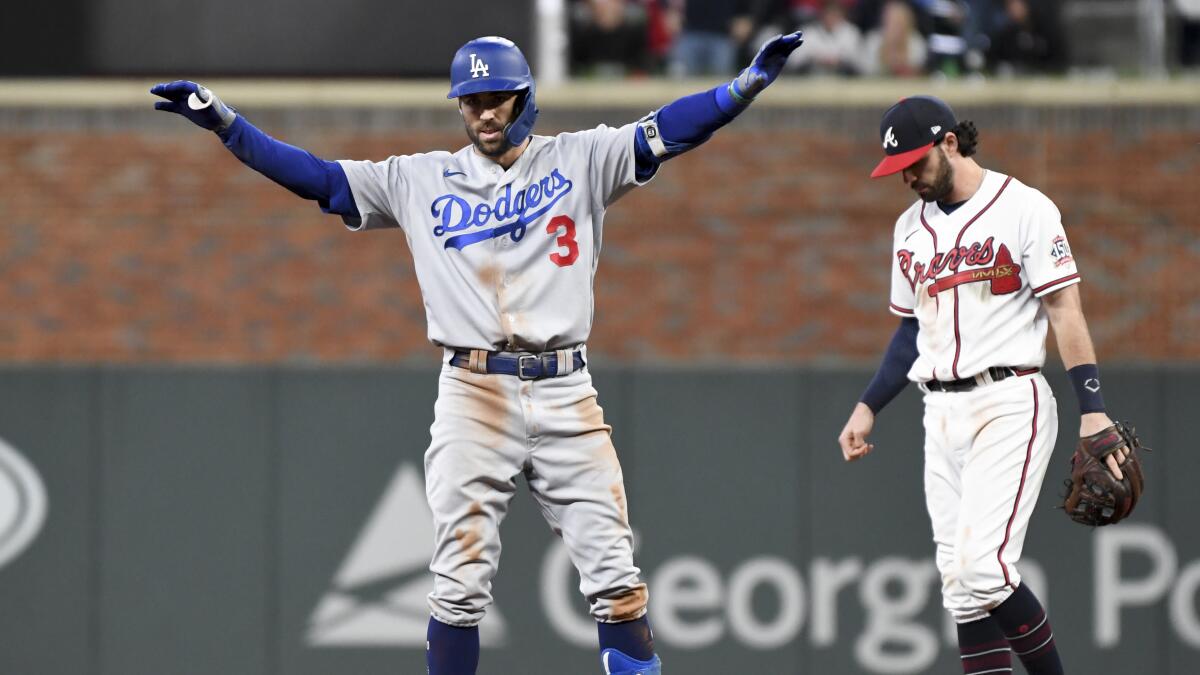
column 1086, row 380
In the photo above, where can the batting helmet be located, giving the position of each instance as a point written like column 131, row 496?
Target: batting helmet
column 496, row 64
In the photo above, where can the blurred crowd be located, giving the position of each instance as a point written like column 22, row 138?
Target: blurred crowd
column 871, row 38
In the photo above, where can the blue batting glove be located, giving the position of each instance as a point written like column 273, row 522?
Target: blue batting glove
column 196, row 103
column 765, row 67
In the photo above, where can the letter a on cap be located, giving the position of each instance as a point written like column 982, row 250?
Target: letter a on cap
column 903, row 132
column 889, row 139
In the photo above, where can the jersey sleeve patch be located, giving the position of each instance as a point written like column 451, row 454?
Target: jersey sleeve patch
column 1060, row 251
column 1045, row 250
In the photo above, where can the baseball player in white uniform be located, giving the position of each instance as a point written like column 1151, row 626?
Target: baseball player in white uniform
column 981, row 266
column 505, row 236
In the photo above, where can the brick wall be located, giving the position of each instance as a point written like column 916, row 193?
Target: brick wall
column 154, row 244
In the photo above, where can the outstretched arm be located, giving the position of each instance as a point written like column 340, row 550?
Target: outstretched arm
column 296, row 169
column 685, row 123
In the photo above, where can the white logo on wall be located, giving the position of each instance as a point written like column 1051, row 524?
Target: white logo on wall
column 377, row 598
column 478, row 67
column 22, row 503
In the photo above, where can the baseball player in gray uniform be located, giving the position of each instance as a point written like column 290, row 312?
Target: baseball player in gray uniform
column 505, row 235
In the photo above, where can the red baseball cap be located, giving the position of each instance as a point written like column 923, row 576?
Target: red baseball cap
column 909, row 129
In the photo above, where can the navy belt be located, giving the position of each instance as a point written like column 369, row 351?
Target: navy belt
column 993, row 374
column 524, row 366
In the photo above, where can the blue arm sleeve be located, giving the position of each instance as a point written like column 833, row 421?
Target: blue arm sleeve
column 298, row 170
column 685, row 123
column 892, row 376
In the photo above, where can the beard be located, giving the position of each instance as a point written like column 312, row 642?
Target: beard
column 495, row 148
column 943, row 181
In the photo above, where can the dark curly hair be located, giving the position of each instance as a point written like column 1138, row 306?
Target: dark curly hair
column 968, row 137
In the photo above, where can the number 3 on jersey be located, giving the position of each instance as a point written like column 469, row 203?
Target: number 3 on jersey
column 565, row 240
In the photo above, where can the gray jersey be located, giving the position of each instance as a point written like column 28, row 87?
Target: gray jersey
column 505, row 259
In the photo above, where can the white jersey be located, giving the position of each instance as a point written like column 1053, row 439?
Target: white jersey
column 505, row 259
column 973, row 279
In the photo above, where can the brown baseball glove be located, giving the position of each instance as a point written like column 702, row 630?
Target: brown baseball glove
column 1094, row 496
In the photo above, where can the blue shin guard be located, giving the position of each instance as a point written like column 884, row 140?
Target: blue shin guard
column 616, row 663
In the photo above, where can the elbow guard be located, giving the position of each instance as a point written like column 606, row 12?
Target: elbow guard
column 654, row 147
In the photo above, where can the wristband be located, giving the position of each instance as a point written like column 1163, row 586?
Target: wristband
column 1086, row 380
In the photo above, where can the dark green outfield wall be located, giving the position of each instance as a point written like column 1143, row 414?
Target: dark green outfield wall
column 262, row 522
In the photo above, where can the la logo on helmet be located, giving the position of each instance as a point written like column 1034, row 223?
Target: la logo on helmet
column 478, row 67
column 889, row 138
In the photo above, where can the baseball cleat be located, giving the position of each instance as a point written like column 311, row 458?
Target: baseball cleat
column 617, row 663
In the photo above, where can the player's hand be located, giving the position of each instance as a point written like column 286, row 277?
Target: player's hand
column 194, row 102
column 1091, row 423
column 853, row 438
column 766, row 65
